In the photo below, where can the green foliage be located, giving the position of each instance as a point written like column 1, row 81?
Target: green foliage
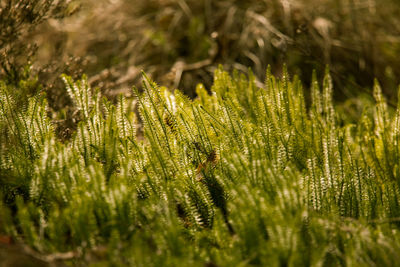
column 242, row 176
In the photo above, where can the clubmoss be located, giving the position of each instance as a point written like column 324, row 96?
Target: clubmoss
column 241, row 176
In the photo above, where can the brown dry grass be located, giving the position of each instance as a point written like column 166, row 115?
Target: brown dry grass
column 180, row 43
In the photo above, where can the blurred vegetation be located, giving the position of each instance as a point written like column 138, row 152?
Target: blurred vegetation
column 18, row 20
column 180, row 43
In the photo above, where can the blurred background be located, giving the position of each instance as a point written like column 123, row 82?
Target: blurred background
column 180, row 43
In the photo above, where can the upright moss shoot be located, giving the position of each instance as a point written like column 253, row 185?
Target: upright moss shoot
column 242, row 175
